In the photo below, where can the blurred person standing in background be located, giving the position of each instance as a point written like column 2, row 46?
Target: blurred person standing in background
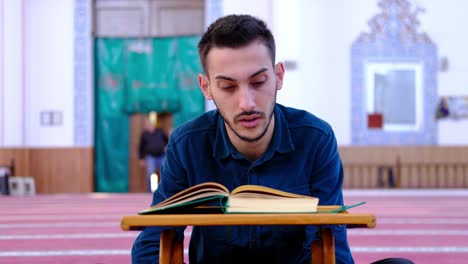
column 153, row 142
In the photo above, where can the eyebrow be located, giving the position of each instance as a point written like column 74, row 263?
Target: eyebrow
column 221, row 77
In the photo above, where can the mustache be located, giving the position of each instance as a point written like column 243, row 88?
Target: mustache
column 249, row 114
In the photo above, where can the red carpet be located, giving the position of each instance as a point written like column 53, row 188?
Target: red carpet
column 425, row 226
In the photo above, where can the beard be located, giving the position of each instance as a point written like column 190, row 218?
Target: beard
column 230, row 124
column 246, row 114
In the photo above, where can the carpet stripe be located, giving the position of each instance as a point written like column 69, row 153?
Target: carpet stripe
column 51, row 225
column 64, row 253
column 410, row 249
column 406, row 192
column 408, row 232
column 127, row 252
column 70, row 236
column 421, row 221
column 55, row 217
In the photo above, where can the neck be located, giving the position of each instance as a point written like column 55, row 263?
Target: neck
column 253, row 150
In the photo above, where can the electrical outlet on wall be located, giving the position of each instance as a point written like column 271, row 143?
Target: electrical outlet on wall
column 56, row 118
column 51, row 118
column 45, row 118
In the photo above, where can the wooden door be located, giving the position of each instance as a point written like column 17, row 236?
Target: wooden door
column 146, row 18
column 137, row 173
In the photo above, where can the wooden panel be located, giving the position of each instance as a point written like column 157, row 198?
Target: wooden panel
column 55, row 170
column 70, row 170
column 62, row 170
column 450, row 181
column 137, row 176
column 347, row 178
column 148, row 18
column 117, row 18
column 176, row 18
column 20, row 157
column 462, row 176
column 419, row 166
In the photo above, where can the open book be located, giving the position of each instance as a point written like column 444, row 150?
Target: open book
column 243, row 199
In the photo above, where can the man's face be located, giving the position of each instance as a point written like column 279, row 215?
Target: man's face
column 243, row 83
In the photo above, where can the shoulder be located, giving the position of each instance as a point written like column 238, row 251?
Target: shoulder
column 298, row 119
column 198, row 126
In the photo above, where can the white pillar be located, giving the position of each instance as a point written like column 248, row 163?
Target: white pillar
column 2, row 96
column 12, row 77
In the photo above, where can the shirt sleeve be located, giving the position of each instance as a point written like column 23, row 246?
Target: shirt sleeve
column 173, row 179
column 326, row 184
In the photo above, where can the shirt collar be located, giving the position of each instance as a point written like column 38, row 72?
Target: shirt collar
column 281, row 141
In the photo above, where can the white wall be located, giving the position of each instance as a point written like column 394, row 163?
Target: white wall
column 336, row 24
column 49, row 70
column 318, row 35
column 258, row 8
column 332, row 26
column 37, row 72
column 287, row 28
column 445, row 22
column 2, row 96
column 12, row 118
column 36, row 61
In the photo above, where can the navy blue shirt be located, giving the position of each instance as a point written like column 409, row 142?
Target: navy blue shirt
column 302, row 158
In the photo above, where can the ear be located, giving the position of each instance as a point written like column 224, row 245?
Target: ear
column 205, row 86
column 279, row 72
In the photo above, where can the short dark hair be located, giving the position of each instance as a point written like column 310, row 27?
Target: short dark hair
column 235, row 31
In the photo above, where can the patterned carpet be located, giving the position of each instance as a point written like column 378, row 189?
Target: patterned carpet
column 427, row 226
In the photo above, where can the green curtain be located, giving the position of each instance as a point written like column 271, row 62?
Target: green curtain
column 139, row 76
column 111, row 123
column 192, row 102
column 151, row 77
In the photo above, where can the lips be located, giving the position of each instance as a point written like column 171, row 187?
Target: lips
column 249, row 121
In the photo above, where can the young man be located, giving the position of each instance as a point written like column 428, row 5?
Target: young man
column 249, row 139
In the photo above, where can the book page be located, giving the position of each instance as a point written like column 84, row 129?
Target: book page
column 201, row 191
column 196, row 194
column 257, row 202
column 190, row 201
column 265, row 190
column 199, row 188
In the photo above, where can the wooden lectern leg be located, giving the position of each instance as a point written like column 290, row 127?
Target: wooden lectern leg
column 171, row 250
column 323, row 249
column 328, row 246
column 317, row 252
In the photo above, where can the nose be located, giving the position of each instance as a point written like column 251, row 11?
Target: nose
column 246, row 100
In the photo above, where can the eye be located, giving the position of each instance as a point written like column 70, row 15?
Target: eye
column 227, row 87
column 258, row 81
column 258, row 84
